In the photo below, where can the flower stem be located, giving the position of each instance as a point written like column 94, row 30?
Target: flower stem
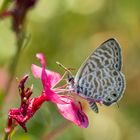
column 12, row 69
column 21, row 43
column 11, row 124
column 6, row 137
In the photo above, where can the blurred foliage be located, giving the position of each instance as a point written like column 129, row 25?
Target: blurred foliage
column 67, row 31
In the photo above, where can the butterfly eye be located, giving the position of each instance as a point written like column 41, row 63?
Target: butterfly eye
column 70, row 79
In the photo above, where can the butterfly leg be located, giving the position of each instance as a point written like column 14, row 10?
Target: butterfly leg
column 99, row 101
column 93, row 106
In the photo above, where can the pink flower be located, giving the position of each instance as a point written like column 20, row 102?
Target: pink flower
column 73, row 112
column 27, row 108
column 68, row 107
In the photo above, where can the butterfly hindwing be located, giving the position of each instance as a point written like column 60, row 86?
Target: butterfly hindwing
column 108, row 88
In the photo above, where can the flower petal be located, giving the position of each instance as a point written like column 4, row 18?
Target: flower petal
column 52, row 76
column 41, row 57
column 50, row 94
column 48, row 79
column 73, row 112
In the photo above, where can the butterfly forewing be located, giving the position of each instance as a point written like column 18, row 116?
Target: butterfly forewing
column 108, row 54
column 100, row 76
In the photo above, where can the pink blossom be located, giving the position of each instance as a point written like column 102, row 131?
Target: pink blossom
column 68, row 107
column 73, row 112
column 27, row 108
column 53, row 77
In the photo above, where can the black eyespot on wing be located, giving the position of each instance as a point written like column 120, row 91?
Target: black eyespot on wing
column 116, row 65
column 107, row 102
column 114, row 94
column 108, row 99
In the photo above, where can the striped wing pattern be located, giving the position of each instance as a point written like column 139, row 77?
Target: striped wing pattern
column 100, row 76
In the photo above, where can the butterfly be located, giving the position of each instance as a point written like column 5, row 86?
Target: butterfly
column 100, row 79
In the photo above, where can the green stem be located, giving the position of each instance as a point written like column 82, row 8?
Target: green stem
column 8, row 134
column 13, row 65
column 12, row 69
column 6, row 137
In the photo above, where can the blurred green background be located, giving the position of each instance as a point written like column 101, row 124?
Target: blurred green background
column 67, row 31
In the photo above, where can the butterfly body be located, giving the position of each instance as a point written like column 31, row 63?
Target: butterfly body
column 99, row 77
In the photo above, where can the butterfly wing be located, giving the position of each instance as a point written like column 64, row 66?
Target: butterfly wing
column 108, row 54
column 100, row 76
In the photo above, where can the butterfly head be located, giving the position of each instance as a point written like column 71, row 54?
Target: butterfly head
column 70, row 81
column 70, row 78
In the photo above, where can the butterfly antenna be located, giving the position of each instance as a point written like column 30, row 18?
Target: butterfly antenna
column 66, row 69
